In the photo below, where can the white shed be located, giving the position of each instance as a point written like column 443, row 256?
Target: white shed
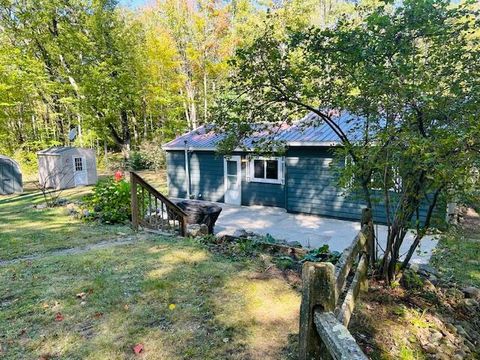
column 67, row 167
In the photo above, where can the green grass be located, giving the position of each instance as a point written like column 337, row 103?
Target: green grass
column 172, row 295
column 458, row 256
column 25, row 231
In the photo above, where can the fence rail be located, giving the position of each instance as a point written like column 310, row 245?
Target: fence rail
column 323, row 317
column 153, row 211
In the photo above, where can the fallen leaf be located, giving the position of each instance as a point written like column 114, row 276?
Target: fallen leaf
column 81, row 295
column 45, row 306
column 137, row 349
column 125, row 306
column 172, row 306
column 98, row 315
column 226, row 340
column 59, row 317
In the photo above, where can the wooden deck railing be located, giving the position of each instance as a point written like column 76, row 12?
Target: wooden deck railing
column 153, row 211
column 323, row 318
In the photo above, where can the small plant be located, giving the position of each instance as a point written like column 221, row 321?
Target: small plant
column 322, row 254
column 110, row 201
column 285, row 262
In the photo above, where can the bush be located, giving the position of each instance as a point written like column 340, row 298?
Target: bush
column 152, row 155
column 110, row 201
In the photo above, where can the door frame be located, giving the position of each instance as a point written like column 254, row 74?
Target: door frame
column 84, row 170
column 238, row 159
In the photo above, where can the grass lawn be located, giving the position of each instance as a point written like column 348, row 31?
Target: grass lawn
column 173, row 296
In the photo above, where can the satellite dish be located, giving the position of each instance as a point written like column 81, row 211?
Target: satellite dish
column 72, row 134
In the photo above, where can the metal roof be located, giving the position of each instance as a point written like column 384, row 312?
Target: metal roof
column 309, row 131
column 58, row 150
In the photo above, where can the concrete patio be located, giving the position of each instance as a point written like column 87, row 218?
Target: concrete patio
column 310, row 230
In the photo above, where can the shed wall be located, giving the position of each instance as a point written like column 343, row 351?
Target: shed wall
column 10, row 176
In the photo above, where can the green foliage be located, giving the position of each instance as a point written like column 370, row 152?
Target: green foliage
column 136, row 161
column 322, row 254
column 110, row 201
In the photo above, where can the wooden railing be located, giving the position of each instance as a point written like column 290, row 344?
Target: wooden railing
column 153, row 211
column 323, row 317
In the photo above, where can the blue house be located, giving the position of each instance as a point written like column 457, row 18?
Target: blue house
column 303, row 180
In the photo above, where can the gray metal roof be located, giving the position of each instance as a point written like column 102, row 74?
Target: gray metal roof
column 55, row 150
column 309, row 131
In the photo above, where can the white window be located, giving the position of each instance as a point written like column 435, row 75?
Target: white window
column 266, row 170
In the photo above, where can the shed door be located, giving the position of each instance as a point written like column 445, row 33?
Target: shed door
column 6, row 177
column 233, row 178
column 80, row 170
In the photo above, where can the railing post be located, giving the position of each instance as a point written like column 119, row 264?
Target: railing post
column 134, row 200
column 318, row 292
column 367, row 219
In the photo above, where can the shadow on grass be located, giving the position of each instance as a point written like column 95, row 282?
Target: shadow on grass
column 174, row 297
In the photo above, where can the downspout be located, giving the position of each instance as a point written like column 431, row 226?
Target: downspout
column 187, row 170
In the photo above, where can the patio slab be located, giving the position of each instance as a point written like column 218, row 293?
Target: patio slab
column 310, row 230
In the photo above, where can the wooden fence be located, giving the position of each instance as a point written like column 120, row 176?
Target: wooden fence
column 153, row 211
column 327, row 304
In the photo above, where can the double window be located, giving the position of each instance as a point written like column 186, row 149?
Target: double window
column 266, row 170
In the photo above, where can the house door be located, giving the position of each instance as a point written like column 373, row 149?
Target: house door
column 80, row 171
column 232, row 175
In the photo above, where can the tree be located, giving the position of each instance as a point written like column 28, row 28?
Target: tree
column 407, row 71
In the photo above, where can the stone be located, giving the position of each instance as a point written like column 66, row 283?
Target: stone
column 461, row 330
column 460, row 354
column 240, row 233
column 197, row 230
column 472, row 292
column 430, row 348
column 470, row 346
column 454, row 293
column 427, row 285
column 294, row 244
column 469, row 303
column 435, row 336
column 450, row 327
column 41, row 206
column 86, row 213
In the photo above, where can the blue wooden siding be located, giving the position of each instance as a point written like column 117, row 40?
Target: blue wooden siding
column 206, row 175
column 312, row 188
column 256, row 193
column 176, row 174
column 310, row 184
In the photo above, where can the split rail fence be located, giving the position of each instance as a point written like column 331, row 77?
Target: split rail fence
column 327, row 303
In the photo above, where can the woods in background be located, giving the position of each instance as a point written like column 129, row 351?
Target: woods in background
column 120, row 77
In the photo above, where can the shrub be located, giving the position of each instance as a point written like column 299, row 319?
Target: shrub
column 152, row 155
column 110, row 201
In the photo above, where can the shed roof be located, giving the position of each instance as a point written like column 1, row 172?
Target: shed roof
column 58, row 150
column 309, row 131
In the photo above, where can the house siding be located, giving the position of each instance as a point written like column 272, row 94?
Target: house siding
column 310, row 184
column 206, row 175
column 312, row 188
column 258, row 193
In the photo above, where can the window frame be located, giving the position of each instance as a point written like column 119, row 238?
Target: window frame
column 280, row 170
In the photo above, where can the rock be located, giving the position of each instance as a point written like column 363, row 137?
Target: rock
column 428, row 286
column 196, row 230
column 461, row 330
column 240, row 233
column 450, row 327
column 85, row 213
column 294, row 244
column 454, row 293
column 427, row 270
column 472, row 292
column 41, row 206
column 470, row 346
column 430, row 348
column 459, row 354
column 435, row 336
column 469, row 303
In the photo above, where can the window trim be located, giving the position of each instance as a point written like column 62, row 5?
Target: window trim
column 280, row 171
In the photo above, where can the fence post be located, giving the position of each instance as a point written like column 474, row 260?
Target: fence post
column 318, row 292
column 367, row 219
column 134, row 200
